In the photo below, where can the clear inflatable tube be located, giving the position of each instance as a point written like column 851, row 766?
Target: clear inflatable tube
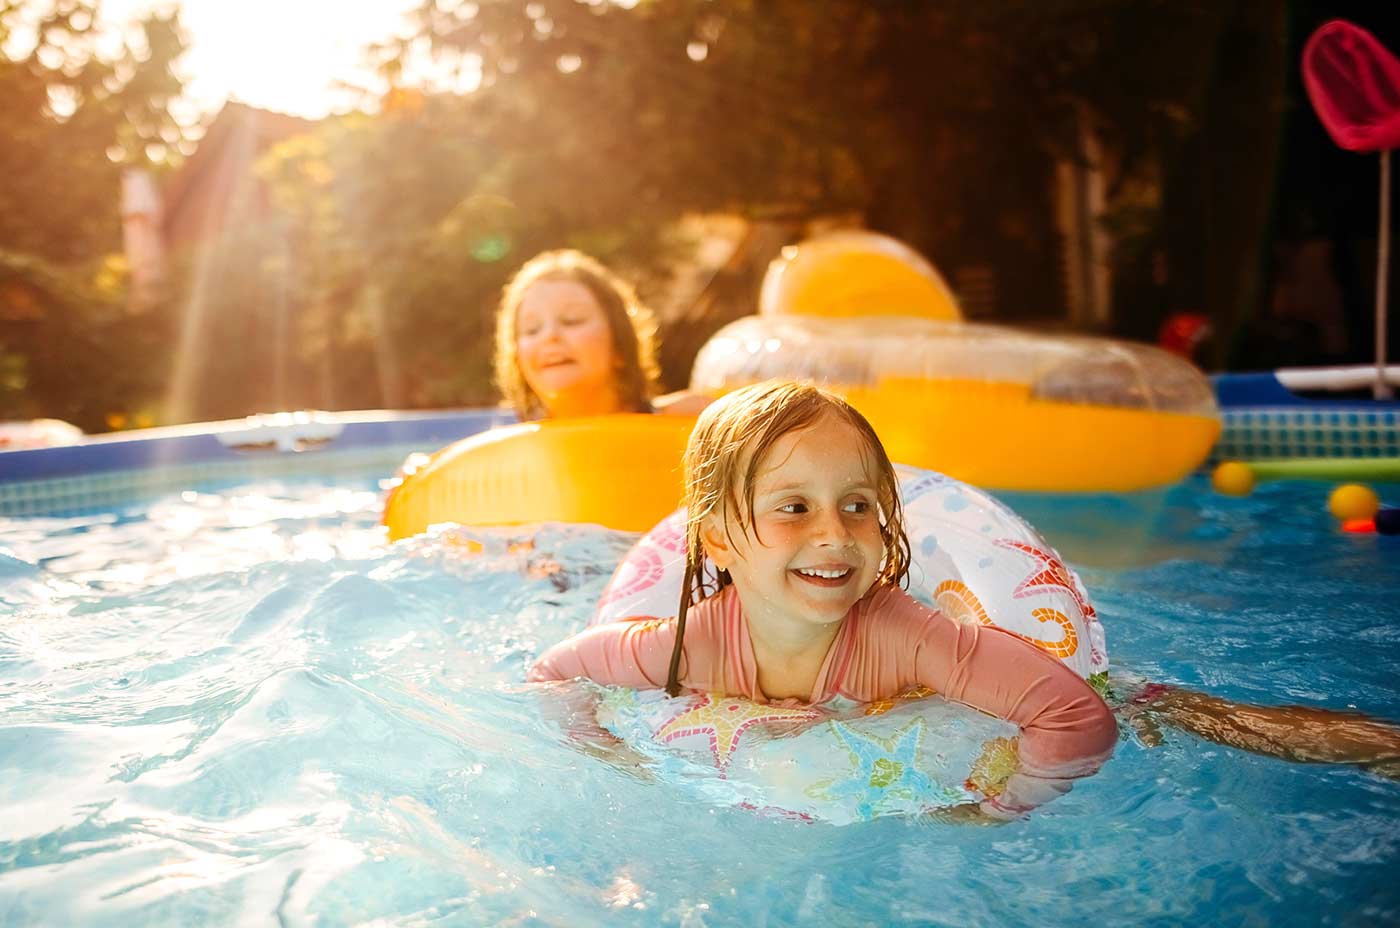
column 995, row 406
column 866, row 352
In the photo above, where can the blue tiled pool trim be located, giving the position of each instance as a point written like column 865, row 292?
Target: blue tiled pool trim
column 1263, row 433
column 109, row 470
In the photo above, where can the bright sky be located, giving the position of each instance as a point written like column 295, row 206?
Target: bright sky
column 282, row 55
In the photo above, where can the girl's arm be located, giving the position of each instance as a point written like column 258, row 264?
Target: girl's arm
column 1067, row 731
column 631, row 652
column 574, row 708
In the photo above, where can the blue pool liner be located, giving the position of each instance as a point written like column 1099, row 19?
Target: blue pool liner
column 200, row 443
column 111, row 470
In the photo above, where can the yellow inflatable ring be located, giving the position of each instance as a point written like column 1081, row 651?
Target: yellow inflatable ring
column 622, row 471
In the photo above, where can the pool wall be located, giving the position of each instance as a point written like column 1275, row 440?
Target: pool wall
column 1262, row 419
column 106, row 469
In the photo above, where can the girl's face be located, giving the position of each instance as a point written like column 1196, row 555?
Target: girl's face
column 814, row 548
column 563, row 342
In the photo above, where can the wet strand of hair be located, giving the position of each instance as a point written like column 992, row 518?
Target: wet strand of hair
column 673, row 686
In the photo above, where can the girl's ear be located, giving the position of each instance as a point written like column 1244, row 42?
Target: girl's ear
column 716, row 542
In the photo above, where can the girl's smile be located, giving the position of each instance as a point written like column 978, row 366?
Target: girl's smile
column 830, row 576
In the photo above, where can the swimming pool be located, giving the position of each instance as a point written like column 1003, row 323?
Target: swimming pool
column 238, row 705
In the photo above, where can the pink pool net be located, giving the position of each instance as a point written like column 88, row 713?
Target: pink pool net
column 1354, row 83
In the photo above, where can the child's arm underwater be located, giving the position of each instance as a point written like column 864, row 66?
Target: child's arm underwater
column 1297, row 733
column 575, row 710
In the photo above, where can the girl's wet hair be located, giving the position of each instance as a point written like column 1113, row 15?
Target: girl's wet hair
column 632, row 325
column 726, row 451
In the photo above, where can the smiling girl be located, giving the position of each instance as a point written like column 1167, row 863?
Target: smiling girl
column 791, row 496
column 572, row 339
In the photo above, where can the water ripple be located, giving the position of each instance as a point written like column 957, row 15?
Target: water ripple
column 246, row 707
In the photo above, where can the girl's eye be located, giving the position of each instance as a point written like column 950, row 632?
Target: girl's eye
column 857, row 506
column 793, row 508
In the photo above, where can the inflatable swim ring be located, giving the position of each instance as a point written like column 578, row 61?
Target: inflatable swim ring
column 20, row 435
column 835, row 764
column 987, row 404
column 620, row 471
column 972, row 557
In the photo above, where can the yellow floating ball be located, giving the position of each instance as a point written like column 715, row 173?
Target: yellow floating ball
column 1353, row 501
column 1233, row 479
column 854, row 273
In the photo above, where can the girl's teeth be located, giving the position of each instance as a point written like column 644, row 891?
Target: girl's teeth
column 825, row 574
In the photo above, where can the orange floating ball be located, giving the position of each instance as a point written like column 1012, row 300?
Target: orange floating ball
column 1233, row 478
column 1353, row 501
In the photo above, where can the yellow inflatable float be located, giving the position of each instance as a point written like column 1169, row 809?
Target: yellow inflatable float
column 621, row 471
column 989, row 405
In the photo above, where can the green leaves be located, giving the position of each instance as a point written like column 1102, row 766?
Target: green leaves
column 75, row 110
column 366, row 267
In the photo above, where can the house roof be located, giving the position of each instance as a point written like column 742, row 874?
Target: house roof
column 197, row 195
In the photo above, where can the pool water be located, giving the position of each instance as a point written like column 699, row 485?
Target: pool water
column 243, row 706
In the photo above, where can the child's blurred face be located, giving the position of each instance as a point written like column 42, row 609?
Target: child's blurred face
column 814, row 548
column 563, row 342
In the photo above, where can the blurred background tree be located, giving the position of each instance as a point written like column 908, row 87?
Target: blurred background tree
column 360, row 264
column 76, row 109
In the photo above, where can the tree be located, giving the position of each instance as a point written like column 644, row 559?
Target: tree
column 73, row 118
column 509, row 126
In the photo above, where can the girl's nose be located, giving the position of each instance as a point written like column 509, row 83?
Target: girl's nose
column 830, row 529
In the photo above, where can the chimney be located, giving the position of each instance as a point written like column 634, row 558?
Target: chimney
column 141, row 235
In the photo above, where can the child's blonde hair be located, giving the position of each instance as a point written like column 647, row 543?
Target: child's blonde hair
column 632, row 326
column 722, row 460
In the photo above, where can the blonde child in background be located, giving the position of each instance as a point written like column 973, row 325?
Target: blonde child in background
column 791, row 496
column 573, row 339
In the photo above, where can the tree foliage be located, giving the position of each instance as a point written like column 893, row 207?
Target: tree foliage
column 74, row 114
column 363, row 267
column 939, row 123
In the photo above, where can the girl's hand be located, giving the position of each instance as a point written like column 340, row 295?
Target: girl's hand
column 964, row 813
column 574, row 708
column 619, row 755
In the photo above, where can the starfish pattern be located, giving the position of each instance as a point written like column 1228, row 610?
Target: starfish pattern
column 886, row 773
column 725, row 720
column 994, row 766
column 1053, row 575
column 881, row 706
